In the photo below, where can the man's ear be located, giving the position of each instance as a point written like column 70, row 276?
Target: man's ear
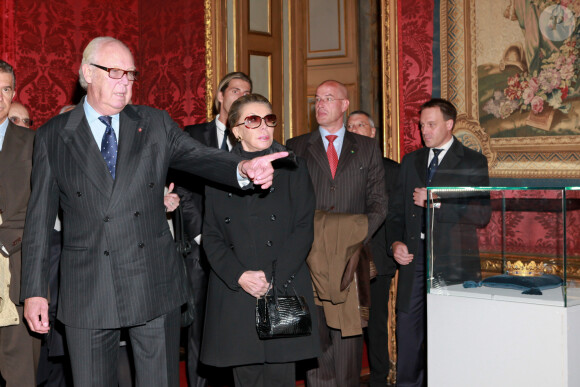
column 87, row 73
column 373, row 132
column 449, row 125
column 345, row 105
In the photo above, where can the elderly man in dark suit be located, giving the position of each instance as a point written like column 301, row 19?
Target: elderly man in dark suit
column 360, row 122
column 119, row 266
column 213, row 134
column 443, row 162
column 348, row 177
column 19, row 349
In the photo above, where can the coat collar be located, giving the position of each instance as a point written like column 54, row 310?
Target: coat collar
column 450, row 161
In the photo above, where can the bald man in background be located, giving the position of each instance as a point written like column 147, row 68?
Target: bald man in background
column 19, row 115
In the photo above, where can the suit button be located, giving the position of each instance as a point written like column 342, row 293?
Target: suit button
column 332, row 188
column 272, row 217
column 137, row 213
column 413, row 216
column 227, row 219
column 412, row 238
column 269, row 243
column 272, row 189
column 79, row 194
column 106, row 253
column 106, row 219
column 141, row 245
column 151, row 185
column 231, row 246
column 229, row 195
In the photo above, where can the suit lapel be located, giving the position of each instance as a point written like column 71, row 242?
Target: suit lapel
column 211, row 134
column 421, row 164
column 132, row 130
column 316, row 150
column 11, row 147
column 449, row 163
column 80, row 142
column 347, row 153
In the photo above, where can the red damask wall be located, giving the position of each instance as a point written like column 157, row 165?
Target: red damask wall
column 415, row 67
column 44, row 40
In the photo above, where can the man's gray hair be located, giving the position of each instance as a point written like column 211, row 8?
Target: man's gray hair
column 5, row 67
column 364, row 114
column 90, row 54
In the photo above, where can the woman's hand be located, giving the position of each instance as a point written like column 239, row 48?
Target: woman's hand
column 254, row 283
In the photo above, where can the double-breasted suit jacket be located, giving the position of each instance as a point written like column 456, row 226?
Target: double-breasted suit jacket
column 15, row 168
column 119, row 265
column 248, row 230
column 358, row 186
column 457, row 221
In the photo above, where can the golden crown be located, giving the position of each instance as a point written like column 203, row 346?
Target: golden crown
column 530, row 269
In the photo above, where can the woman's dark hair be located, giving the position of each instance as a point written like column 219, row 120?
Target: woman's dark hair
column 234, row 113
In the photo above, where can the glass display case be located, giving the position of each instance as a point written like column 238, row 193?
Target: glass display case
column 509, row 244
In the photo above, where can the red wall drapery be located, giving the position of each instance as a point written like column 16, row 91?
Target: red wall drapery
column 415, row 24
column 44, row 41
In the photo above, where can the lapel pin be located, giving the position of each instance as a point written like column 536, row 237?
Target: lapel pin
column 352, row 151
column 140, row 130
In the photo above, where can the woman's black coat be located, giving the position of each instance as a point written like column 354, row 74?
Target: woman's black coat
column 246, row 230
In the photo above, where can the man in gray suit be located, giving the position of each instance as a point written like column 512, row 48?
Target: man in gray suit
column 348, row 176
column 119, row 265
column 18, row 348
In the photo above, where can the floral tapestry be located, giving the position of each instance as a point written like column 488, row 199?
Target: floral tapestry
column 532, row 89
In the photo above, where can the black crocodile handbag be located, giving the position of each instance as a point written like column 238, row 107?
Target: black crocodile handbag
column 282, row 316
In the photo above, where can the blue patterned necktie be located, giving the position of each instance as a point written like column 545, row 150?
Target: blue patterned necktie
column 433, row 165
column 109, row 145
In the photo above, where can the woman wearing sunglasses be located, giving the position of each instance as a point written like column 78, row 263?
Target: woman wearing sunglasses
column 244, row 232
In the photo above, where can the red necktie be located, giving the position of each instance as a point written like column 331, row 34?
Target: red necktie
column 331, row 154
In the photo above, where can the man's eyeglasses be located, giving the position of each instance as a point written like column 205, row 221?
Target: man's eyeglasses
column 327, row 99
column 253, row 121
column 21, row 121
column 359, row 125
column 118, row 73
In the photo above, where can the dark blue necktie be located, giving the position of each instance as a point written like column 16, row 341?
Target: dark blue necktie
column 109, row 145
column 433, row 165
column 225, row 141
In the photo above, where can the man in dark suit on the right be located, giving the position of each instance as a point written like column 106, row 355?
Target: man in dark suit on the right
column 191, row 190
column 443, row 162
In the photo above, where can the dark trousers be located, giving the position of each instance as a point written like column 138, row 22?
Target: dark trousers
column 378, row 333
column 94, row 353
column 198, row 278
column 412, row 333
column 265, row 375
column 341, row 361
column 54, row 365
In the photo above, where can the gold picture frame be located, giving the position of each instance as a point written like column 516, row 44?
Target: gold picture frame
column 509, row 157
